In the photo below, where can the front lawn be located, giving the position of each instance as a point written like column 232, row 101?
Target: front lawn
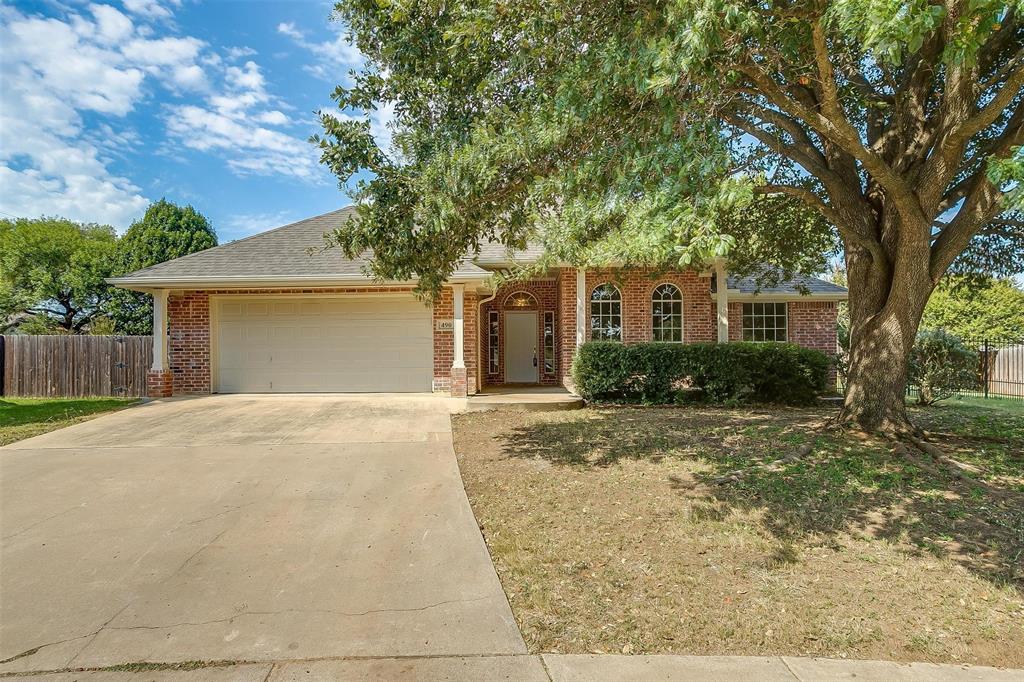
column 610, row 534
column 22, row 418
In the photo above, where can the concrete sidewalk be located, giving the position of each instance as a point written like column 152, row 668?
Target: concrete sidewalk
column 561, row 668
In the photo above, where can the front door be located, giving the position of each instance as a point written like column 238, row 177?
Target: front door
column 521, row 348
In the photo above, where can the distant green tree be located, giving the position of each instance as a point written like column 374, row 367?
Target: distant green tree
column 165, row 232
column 52, row 272
column 941, row 364
column 993, row 308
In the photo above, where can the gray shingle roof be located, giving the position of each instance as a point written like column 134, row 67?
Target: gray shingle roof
column 797, row 285
column 495, row 253
column 279, row 254
column 283, row 255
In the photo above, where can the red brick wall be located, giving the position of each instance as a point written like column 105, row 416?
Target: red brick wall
column 811, row 323
column 735, row 321
column 636, row 287
column 188, row 348
column 159, row 384
column 444, row 342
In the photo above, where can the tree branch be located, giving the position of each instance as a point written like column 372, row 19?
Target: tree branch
column 812, row 199
column 981, row 204
column 841, row 133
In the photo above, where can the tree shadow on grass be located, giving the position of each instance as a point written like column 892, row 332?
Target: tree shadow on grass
column 845, row 485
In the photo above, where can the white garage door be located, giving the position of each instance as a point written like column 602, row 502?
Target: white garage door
column 285, row 345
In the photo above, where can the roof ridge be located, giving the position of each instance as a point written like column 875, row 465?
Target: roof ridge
column 236, row 241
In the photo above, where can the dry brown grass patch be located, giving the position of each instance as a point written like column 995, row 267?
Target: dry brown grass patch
column 609, row 536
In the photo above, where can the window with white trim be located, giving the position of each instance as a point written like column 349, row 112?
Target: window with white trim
column 605, row 313
column 667, row 314
column 764, row 322
column 492, row 342
column 549, row 343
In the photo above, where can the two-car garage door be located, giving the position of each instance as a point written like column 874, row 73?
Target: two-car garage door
column 297, row 344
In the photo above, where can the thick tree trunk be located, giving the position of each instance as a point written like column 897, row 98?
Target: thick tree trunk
column 886, row 303
column 877, row 377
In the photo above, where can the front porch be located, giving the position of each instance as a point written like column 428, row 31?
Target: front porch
column 527, row 398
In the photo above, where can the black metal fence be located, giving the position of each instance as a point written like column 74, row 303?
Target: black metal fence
column 1000, row 372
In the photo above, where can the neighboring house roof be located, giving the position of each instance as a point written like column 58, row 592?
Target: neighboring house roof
column 295, row 254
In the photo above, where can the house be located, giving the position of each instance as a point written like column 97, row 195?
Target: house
column 275, row 313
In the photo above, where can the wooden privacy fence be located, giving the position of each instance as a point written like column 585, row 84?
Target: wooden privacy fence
column 54, row 366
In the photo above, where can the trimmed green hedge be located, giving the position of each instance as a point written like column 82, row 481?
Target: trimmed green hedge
column 723, row 373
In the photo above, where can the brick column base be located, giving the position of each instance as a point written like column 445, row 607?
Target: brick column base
column 459, row 388
column 159, row 384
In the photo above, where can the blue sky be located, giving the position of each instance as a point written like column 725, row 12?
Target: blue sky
column 107, row 106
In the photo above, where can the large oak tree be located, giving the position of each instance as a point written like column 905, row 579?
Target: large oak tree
column 669, row 133
column 54, row 269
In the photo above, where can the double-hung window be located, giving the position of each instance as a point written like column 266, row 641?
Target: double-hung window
column 764, row 322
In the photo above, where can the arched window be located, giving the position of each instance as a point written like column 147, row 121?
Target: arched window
column 605, row 313
column 521, row 299
column 667, row 314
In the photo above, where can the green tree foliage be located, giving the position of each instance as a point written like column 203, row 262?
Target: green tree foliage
column 165, row 232
column 647, row 132
column 940, row 364
column 52, row 272
column 993, row 309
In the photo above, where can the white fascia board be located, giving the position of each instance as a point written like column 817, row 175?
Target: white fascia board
column 147, row 284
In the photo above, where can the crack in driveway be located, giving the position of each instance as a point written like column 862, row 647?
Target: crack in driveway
column 242, row 614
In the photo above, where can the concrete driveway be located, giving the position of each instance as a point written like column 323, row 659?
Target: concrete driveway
column 250, row 528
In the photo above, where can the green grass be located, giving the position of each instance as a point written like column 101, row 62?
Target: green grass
column 22, row 418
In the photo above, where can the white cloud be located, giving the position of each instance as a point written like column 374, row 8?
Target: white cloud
column 334, row 58
column 233, row 124
column 189, row 77
column 247, row 146
column 274, row 118
column 56, row 71
column 112, row 26
column 288, row 28
column 162, row 51
column 69, row 84
column 149, row 9
column 246, row 78
column 239, row 52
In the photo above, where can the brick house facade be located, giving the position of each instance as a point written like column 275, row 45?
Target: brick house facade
column 352, row 331
column 553, row 300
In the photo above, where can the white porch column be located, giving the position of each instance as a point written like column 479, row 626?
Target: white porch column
column 581, row 306
column 722, row 285
column 160, row 330
column 459, row 360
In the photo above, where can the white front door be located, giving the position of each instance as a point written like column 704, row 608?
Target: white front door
column 521, row 348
